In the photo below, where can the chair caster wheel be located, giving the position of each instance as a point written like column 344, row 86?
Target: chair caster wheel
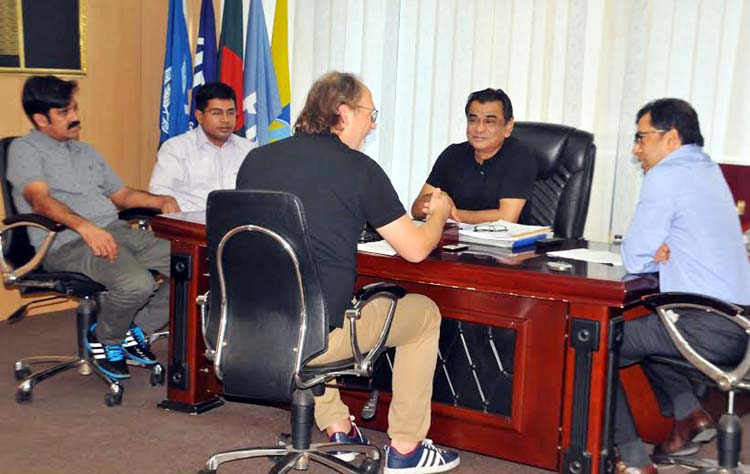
column 23, row 396
column 113, row 399
column 22, row 373
column 156, row 378
column 370, row 466
column 206, row 471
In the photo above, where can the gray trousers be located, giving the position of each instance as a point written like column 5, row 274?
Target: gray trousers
column 715, row 338
column 132, row 293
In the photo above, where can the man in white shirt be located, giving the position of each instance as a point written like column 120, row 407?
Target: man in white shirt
column 191, row 165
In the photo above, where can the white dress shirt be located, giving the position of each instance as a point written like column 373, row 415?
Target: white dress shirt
column 189, row 167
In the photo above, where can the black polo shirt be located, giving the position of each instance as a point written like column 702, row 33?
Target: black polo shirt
column 340, row 190
column 511, row 173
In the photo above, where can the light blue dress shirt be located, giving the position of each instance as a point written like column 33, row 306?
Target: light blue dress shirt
column 686, row 203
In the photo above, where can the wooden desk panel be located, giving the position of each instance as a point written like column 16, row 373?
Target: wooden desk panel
column 566, row 341
column 538, row 370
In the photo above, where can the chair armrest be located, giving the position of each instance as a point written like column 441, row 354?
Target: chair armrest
column 367, row 292
column 10, row 274
column 364, row 364
column 29, row 219
column 204, row 303
column 679, row 299
column 359, row 365
column 665, row 304
column 140, row 213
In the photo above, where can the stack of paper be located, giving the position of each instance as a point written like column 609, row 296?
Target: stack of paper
column 502, row 234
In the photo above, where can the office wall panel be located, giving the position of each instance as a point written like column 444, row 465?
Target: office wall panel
column 118, row 97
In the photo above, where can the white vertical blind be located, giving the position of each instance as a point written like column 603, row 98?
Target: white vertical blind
column 590, row 64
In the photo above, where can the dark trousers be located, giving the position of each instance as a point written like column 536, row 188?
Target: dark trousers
column 718, row 340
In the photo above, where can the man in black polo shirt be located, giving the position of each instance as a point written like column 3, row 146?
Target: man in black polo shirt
column 490, row 176
column 341, row 189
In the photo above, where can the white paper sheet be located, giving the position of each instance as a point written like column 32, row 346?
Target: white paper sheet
column 381, row 247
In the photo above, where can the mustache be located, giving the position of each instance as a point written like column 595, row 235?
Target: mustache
column 74, row 124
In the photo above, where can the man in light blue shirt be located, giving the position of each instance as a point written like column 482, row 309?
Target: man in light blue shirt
column 686, row 228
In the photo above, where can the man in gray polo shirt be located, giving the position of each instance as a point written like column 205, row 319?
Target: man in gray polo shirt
column 68, row 181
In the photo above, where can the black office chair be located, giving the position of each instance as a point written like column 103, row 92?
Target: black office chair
column 726, row 379
column 21, row 267
column 268, row 318
column 565, row 158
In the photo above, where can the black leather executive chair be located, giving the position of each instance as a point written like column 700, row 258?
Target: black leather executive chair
column 563, row 186
column 726, row 379
column 268, row 318
column 21, row 267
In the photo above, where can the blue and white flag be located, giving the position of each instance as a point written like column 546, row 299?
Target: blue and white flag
column 174, row 114
column 205, row 54
column 261, row 104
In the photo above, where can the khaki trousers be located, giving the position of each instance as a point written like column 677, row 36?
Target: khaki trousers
column 414, row 333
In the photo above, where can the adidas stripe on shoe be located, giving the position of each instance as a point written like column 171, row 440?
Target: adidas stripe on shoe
column 110, row 358
column 137, row 348
column 425, row 459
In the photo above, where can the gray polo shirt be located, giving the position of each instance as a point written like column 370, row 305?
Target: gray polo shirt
column 76, row 174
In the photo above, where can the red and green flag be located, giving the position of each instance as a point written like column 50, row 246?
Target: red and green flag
column 231, row 55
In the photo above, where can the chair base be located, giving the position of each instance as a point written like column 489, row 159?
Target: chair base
column 153, row 337
column 289, row 458
column 701, row 466
column 85, row 316
column 113, row 396
column 728, row 444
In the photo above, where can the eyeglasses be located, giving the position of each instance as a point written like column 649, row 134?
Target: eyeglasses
column 373, row 112
column 638, row 137
column 490, row 228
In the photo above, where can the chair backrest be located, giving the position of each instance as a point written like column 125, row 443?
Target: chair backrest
column 259, row 254
column 563, row 186
column 17, row 247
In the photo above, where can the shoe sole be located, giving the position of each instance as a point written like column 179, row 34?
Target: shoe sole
column 110, row 374
column 141, row 361
column 687, row 450
column 423, row 469
column 346, row 457
column 705, row 436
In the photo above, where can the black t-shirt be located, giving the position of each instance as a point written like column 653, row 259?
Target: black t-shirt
column 511, row 173
column 340, row 190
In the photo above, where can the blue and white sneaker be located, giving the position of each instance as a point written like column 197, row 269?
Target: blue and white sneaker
column 110, row 358
column 355, row 436
column 427, row 458
column 137, row 348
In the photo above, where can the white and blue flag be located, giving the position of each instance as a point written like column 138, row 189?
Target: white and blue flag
column 261, row 104
column 174, row 112
column 205, row 54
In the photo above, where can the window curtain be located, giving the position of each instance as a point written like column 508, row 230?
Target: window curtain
column 589, row 64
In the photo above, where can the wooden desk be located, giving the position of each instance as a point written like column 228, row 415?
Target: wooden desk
column 549, row 338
